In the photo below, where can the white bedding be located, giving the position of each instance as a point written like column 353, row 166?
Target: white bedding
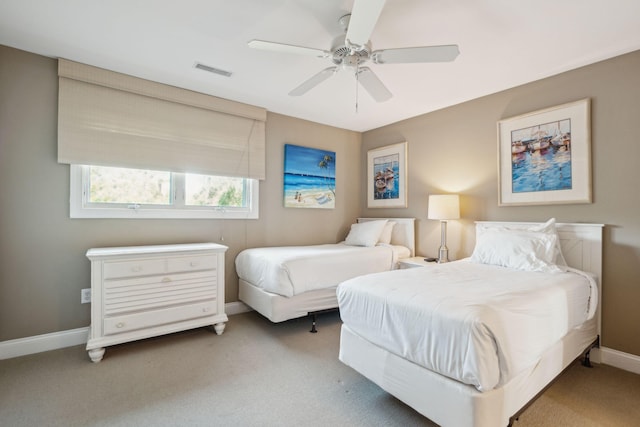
column 293, row 270
column 475, row 323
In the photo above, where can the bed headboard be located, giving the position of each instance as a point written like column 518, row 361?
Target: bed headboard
column 404, row 232
column 581, row 246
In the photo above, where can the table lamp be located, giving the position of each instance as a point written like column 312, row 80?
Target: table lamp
column 443, row 207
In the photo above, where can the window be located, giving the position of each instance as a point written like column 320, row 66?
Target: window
column 110, row 192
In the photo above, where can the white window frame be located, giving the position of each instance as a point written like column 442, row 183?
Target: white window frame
column 81, row 208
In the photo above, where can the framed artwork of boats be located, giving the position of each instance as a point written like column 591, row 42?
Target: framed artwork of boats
column 309, row 177
column 544, row 157
column 387, row 176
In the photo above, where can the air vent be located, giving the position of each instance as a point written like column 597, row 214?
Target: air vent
column 213, row 69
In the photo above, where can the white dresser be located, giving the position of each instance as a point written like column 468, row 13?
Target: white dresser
column 142, row 291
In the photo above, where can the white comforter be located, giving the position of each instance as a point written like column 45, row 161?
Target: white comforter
column 478, row 324
column 292, row 270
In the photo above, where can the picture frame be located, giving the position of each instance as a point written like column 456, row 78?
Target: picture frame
column 309, row 177
column 387, row 176
column 544, row 157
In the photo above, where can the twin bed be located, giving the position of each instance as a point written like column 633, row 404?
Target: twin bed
column 471, row 343
column 467, row 343
column 288, row 282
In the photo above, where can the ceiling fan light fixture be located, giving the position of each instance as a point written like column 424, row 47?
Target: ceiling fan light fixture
column 351, row 62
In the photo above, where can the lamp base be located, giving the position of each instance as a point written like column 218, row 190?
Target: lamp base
column 443, row 255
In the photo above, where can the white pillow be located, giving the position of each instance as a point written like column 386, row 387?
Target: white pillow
column 385, row 236
column 518, row 249
column 365, row 233
column 548, row 227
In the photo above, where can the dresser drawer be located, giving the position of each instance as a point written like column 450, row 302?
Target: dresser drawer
column 133, row 268
column 148, row 267
column 192, row 263
column 132, row 322
column 154, row 292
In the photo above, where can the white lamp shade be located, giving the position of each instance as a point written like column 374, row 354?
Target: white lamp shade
column 444, row 206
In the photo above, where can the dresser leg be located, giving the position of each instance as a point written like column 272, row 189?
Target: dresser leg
column 96, row 354
column 219, row 327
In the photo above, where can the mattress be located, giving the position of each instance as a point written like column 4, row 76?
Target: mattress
column 293, row 270
column 477, row 324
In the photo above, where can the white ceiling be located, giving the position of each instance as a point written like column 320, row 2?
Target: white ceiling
column 503, row 43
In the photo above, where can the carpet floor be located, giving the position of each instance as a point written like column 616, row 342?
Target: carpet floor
column 259, row 374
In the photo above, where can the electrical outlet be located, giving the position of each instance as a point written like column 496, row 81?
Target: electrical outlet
column 85, row 296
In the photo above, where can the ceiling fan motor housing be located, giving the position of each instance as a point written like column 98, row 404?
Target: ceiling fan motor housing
column 342, row 54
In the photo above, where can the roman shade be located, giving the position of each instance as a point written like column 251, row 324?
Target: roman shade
column 111, row 119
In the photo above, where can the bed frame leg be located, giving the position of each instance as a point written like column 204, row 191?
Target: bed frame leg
column 586, row 361
column 313, row 324
column 313, row 315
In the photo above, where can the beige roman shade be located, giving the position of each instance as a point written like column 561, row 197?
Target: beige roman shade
column 112, row 119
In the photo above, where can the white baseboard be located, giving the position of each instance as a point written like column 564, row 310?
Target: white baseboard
column 62, row 339
column 236, row 307
column 40, row 343
column 618, row 359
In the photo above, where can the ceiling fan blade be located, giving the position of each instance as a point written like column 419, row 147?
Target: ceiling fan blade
column 288, row 48
column 373, row 85
column 364, row 15
column 444, row 53
column 314, row 81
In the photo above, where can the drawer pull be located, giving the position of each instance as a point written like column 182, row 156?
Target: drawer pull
column 136, row 268
column 166, row 279
column 120, row 325
column 205, row 310
column 193, row 264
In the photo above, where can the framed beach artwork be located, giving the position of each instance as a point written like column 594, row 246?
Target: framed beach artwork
column 544, row 157
column 309, row 177
column 387, row 176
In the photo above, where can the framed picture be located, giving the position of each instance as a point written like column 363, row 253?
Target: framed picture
column 544, row 157
column 387, row 176
column 309, row 177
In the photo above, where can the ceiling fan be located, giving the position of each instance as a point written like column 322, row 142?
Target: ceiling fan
column 353, row 49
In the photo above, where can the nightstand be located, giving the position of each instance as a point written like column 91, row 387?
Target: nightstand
column 417, row 261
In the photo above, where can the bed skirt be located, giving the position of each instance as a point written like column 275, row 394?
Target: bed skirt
column 451, row 403
column 278, row 308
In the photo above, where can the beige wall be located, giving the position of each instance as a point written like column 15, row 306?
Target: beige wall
column 42, row 262
column 42, row 251
column 455, row 150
